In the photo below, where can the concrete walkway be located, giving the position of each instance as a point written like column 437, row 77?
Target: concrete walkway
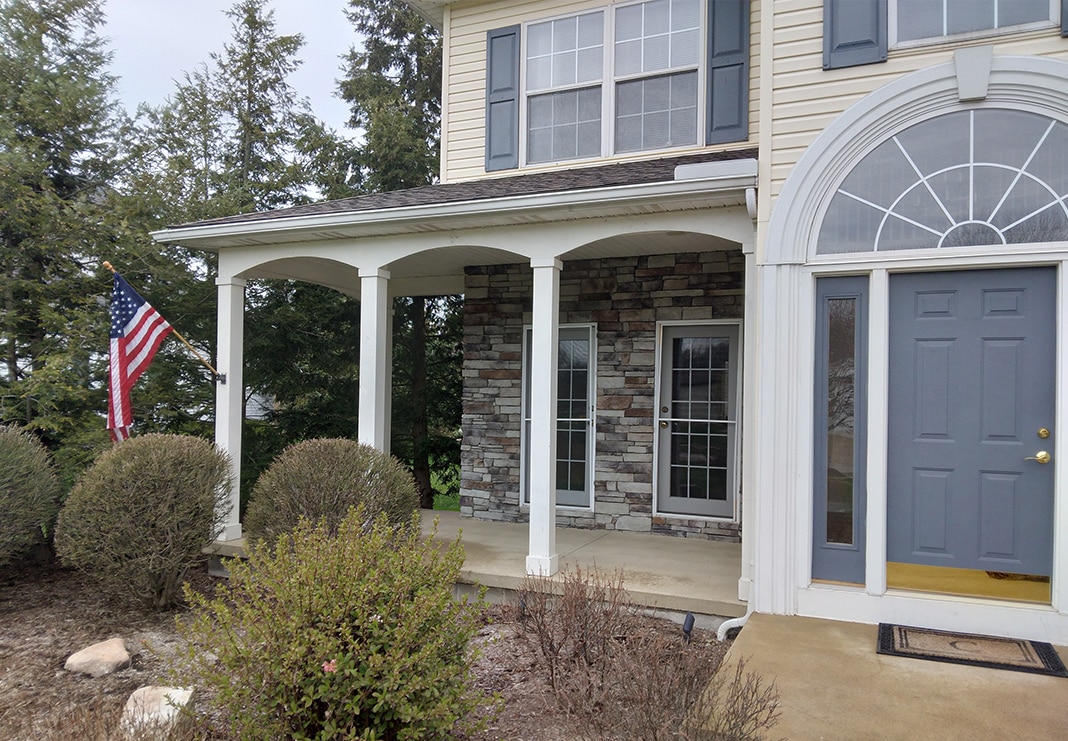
column 833, row 685
column 676, row 574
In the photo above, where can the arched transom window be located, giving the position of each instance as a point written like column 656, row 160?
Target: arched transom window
column 971, row 178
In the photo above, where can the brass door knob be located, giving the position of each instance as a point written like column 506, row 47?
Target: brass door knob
column 1041, row 456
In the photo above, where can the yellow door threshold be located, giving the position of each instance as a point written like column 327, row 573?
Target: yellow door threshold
column 968, row 582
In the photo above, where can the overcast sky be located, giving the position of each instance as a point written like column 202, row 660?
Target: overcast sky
column 154, row 41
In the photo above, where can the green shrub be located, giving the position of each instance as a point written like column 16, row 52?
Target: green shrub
column 140, row 516
column 321, row 480
column 330, row 636
column 29, row 492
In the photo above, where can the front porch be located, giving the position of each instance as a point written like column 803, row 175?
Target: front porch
column 668, row 573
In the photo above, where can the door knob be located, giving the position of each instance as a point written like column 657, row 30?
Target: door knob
column 1041, row 456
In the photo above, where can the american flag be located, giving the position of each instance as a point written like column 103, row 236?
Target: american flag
column 136, row 332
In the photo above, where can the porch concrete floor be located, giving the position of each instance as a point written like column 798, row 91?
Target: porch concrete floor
column 833, row 685
column 668, row 573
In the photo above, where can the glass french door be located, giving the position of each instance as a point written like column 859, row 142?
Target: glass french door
column 575, row 393
column 696, row 421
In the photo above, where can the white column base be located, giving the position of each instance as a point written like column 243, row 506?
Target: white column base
column 543, row 565
column 232, row 531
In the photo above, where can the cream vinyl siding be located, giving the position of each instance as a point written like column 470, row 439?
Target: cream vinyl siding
column 806, row 98
column 464, row 83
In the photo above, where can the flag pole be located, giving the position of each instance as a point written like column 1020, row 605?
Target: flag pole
column 219, row 376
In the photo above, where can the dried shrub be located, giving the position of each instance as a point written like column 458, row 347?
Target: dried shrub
column 738, row 706
column 353, row 634
column 625, row 677
column 103, row 722
column 573, row 621
column 29, row 492
column 321, row 480
column 139, row 518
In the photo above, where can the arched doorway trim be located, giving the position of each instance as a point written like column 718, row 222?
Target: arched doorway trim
column 1037, row 85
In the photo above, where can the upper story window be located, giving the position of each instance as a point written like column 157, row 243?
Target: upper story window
column 967, row 179
column 653, row 100
column 657, row 47
column 637, row 76
column 859, row 32
column 565, row 63
column 933, row 19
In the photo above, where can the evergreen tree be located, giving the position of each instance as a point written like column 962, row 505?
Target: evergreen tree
column 262, row 111
column 236, row 137
column 56, row 114
column 393, row 87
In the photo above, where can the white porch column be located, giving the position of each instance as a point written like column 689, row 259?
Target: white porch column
column 376, row 364
column 542, row 558
column 230, row 396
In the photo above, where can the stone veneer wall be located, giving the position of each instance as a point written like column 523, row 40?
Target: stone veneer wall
column 625, row 297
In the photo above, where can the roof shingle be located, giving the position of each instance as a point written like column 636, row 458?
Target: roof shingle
column 579, row 178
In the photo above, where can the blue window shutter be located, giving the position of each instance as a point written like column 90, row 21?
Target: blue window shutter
column 1064, row 17
column 502, row 99
column 728, row 71
column 854, row 32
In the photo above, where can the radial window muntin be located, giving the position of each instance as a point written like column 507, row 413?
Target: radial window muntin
column 964, row 201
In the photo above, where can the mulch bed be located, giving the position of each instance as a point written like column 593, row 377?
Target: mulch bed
column 48, row 612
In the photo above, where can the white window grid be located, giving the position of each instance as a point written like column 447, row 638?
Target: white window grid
column 893, row 26
column 609, row 80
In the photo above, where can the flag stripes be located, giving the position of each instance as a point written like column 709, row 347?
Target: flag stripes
column 137, row 330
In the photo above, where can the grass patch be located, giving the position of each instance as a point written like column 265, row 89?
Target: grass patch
column 447, row 502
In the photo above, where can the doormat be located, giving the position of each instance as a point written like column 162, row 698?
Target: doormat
column 963, row 648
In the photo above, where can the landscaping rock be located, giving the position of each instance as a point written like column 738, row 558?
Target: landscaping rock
column 100, row 658
column 154, row 707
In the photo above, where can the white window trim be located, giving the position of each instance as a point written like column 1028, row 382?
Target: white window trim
column 608, row 83
column 1052, row 22
column 591, row 440
column 740, row 383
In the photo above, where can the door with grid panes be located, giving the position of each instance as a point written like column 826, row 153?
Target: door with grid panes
column 575, row 393
column 696, row 425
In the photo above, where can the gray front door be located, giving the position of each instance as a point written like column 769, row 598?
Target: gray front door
column 971, row 399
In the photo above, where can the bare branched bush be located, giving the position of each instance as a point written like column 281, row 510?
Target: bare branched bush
column 735, row 707
column 573, row 621
column 628, row 678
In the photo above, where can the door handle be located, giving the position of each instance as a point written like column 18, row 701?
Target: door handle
column 1041, row 456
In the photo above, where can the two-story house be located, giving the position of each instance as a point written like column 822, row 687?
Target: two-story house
column 790, row 273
